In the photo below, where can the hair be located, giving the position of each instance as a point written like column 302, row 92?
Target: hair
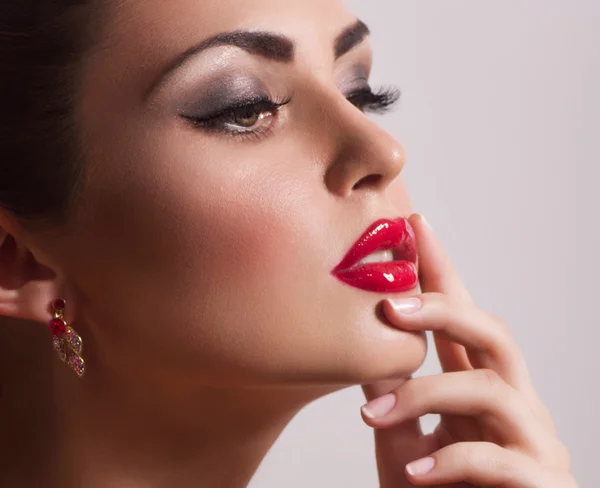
column 42, row 45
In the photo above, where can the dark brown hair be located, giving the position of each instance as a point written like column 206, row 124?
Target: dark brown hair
column 42, row 45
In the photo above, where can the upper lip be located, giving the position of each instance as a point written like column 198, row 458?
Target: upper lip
column 394, row 234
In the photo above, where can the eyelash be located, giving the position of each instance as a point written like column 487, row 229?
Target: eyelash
column 366, row 100
column 216, row 122
column 379, row 101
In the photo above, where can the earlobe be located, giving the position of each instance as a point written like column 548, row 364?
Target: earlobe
column 26, row 286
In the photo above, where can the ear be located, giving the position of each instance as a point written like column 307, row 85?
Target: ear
column 27, row 287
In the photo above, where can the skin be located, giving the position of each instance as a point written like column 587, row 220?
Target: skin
column 494, row 429
column 197, row 267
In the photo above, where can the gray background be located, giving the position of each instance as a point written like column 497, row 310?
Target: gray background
column 500, row 118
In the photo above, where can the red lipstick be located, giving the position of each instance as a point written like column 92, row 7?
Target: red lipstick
column 382, row 277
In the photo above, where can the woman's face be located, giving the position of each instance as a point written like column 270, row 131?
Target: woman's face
column 204, row 251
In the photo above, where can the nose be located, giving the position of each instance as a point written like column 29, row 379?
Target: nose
column 365, row 156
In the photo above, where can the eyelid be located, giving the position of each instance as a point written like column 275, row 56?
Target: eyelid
column 262, row 104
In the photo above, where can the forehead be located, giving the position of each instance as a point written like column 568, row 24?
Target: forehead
column 147, row 34
column 215, row 15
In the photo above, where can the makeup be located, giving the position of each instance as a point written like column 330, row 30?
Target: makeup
column 218, row 93
column 383, row 259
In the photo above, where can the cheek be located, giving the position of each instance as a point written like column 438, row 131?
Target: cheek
column 247, row 242
column 212, row 261
column 219, row 265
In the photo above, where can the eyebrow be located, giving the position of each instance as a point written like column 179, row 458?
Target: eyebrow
column 350, row 37
column 269, row 45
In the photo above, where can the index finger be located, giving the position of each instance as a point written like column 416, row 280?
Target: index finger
column 437, row 273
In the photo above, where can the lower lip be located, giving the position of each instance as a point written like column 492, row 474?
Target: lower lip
column 391, row 277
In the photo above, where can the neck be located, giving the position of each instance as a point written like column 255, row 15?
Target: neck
column 107, row 430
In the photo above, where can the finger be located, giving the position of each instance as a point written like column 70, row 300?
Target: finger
column 488, row 341
column 375, row 390
column 485, row 464
column 438, row 274
column 501, row 409
column 404, row 434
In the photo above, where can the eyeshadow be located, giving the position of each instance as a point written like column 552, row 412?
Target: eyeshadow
column 355, row 78
column 220, row 93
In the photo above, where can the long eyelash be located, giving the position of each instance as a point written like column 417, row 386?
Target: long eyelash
column 256, row 106
column 366, row 100
column 379, row 101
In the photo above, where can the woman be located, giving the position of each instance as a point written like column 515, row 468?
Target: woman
column 201, row 221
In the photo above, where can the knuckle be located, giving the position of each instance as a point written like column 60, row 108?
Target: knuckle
column 436, row 299
column 492, row 381
column 545, row 414
column 498, row 395
column 499, row 321
column 569, row 481
column 505, row 337
column 479, row 456
column 415, row 392
column 560, row 457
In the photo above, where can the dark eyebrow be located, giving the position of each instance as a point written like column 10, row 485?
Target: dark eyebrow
column 350, row 37
column 266, row 44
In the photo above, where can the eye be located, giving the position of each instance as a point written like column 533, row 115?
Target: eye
column 247, row 118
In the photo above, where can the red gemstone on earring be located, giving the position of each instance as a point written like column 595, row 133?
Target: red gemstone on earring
column 57, row 326
column 59, row 304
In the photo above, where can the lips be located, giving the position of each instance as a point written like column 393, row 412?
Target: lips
column 382, row 277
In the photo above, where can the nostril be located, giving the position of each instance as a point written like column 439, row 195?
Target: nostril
column 369, row 180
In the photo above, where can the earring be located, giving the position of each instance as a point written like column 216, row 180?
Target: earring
column 66, row 341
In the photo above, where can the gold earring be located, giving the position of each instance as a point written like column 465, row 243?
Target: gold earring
column 66, row 341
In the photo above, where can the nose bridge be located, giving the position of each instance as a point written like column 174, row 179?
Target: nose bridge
column 364, row 155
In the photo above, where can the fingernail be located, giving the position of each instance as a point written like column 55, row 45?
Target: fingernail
column 406, row 305
column 420, row 466
column 380, row 406
column 426, row 222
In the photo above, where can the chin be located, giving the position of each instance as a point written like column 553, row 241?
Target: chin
column 398, row 355
column 401, row 356
column 375, row 350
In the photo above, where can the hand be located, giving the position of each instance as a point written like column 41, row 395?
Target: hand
column 494, row 429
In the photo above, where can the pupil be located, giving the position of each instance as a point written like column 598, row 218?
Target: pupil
column 247, row 120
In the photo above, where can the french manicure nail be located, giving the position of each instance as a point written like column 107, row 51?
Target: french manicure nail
column 426, row 222
column 420, row 466
column 406, row 305
column 380, row 406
